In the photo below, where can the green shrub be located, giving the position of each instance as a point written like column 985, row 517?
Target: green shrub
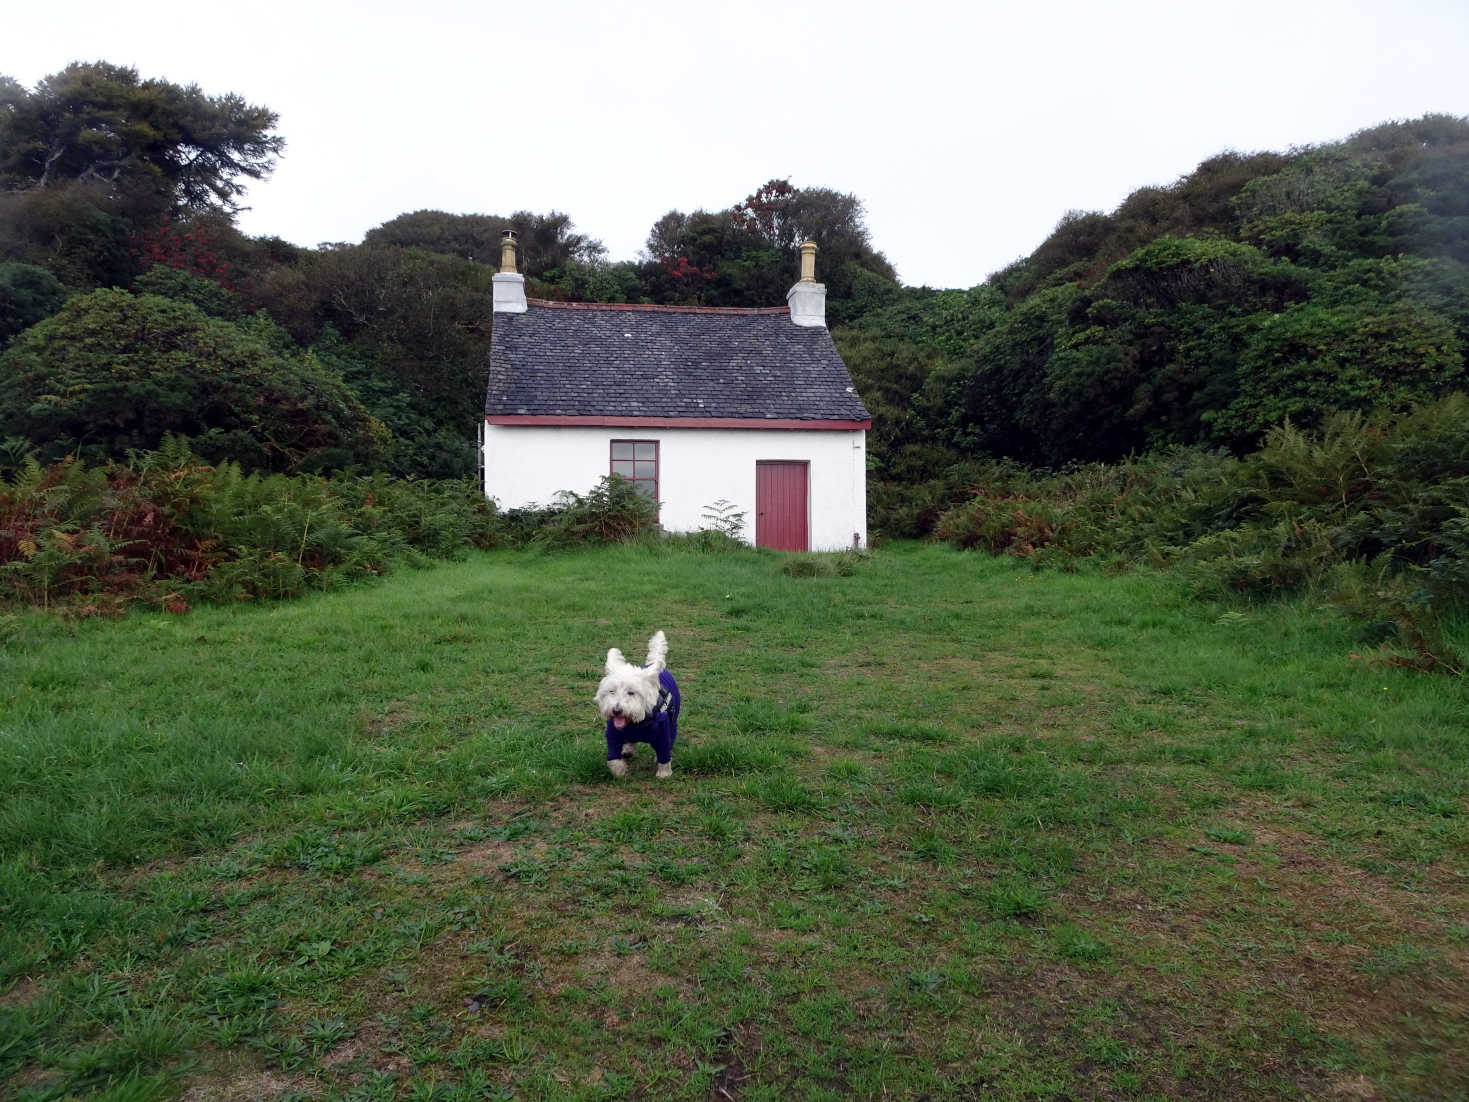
column 709, row 540
column 807, row 566
column 167, row 527
column 1257, row 561
column 1001, row 525
column 909, row 510
column 613, row 511
column 175, row 283
column 1311, row 360
column 834, row 564
column 1397, row 616
column 28, row 294
column 1309, row 511
column 927, row 483
column 112, row 371
column 1448, row 570
column 723, row 518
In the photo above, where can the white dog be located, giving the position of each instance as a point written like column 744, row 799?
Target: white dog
column 640, row 704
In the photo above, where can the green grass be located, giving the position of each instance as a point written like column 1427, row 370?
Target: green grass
column 940, row 826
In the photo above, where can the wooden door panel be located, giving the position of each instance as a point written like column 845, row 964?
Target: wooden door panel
column 781, row 505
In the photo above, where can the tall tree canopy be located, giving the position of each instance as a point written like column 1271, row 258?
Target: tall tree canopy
column 547, row 241
column 1257, row 288
column 112, row 371
column 746, row 255
column 99, row 123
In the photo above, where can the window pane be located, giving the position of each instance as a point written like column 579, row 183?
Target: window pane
column 623, row 467
column 646, row 470
column 644, row 488
column 622, row 449
column 646, row 449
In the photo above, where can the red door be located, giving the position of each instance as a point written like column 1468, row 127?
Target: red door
column 780, row 505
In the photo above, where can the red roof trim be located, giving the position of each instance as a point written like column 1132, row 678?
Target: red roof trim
column 678, row 422
column 643, row 307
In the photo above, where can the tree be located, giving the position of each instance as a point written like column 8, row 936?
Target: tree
column 466, row 236
column 664, row 236
column 99, row 123
column 424, row 315
column 409, row 331
column 1313, row 360
column 68, row 230
column 1085, row 243
column 752, row 251
column 575, row 281
column 780, row 216
column 549, row 240
column 113, row 371
column 546, row 240
column 27, row 294
column 768, row 213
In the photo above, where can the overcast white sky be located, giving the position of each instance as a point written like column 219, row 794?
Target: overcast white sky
column 967, row 129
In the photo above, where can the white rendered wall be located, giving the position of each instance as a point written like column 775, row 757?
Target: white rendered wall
column 528, row 465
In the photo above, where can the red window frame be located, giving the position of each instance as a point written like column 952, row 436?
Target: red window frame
column 638, row 461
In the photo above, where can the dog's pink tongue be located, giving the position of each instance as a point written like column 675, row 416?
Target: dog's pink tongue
column 619, row 722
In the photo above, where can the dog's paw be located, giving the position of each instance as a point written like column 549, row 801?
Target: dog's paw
column 665, row 770
column 628, row 749
column 617, row 767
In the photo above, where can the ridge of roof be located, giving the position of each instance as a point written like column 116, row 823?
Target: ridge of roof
column 645, row 307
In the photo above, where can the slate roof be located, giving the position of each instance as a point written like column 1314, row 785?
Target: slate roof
column 594, row 360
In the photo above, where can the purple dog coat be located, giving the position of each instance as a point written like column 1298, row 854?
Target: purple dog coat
column 658, row 729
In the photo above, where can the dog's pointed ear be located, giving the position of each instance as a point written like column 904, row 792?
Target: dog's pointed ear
column 657, row 652
column 615, row 659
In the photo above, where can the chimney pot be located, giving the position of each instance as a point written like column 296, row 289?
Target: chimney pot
column 507, row 251
column 808, row 261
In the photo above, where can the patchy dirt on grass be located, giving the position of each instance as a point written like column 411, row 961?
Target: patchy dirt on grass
column 24, row 992
column 393, row 715
column 735, row 1049
column 1103, row 1021
column 485, row 855
column 1280, row 927
column 244, row 1085
column 370, row 1047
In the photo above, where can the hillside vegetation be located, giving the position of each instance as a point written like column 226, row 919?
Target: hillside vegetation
column 1221, row 374
column 1253, row 290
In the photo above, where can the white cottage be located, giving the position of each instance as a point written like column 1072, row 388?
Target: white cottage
column 693, row 404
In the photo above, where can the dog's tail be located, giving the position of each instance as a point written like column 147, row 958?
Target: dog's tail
column 657, row 652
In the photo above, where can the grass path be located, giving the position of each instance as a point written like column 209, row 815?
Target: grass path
column 943, row 827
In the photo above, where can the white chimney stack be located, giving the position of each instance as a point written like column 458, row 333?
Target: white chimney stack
column 807, row 299
column 509, row 285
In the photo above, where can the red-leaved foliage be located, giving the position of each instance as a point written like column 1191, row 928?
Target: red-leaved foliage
column 684, row 269
column 189, row 248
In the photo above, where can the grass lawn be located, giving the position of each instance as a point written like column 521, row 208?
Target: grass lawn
column 942, row 827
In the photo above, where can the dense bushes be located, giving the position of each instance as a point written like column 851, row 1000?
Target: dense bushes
column 1258, row 287
column 112, row 372
column 1373, row 511
column 27, row 294
column 166, row 527
column 613, row 511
